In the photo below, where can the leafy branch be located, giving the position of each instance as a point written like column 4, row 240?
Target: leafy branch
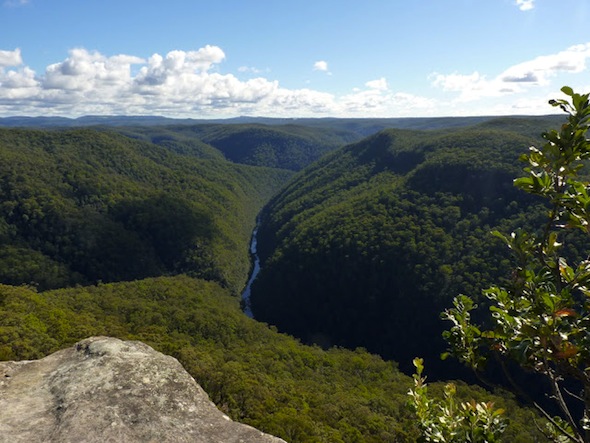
column 450, row 421
column 541, row 319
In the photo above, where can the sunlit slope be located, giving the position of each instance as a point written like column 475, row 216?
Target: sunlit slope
column 79, row 206
column 254, row 374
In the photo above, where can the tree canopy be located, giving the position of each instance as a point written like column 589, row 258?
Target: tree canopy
column 79, row 206
column 369, row 244
column 252, row 373
column 143, row 234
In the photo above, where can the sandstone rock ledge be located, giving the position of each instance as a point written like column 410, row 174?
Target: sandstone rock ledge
column 107, row 390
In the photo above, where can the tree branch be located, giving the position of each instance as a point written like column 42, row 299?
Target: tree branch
column 558, row 398
column 561, row 401
column 564, row 431
column 571, row 394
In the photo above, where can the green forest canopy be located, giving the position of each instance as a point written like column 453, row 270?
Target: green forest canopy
column 368, row 245
column 90, row 206
column 79, row 206
column 253, row 373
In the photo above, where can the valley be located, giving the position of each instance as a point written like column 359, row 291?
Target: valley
column 366, row 230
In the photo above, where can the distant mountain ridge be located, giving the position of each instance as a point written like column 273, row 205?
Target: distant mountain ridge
column 283, row 143
column 363, row 126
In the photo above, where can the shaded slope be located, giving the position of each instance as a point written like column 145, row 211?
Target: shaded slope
column 178, row 141
column 368, row 245
column 286, row 147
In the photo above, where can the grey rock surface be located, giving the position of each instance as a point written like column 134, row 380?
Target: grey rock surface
column 107, row 390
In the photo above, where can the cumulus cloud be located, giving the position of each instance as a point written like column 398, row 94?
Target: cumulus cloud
column 193, row 84
column 470, row 86
column 541, row 69
column 320, row 65
column 177, row 84
column 180, row 83
column 10, row 58
column 85, row 71
column 380, row 84
column 377, row 100
column 16, row 82
column 178, row 66
column 525, row 5
column 19, row 84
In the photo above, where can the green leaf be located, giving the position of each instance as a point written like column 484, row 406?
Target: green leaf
column 567, row 91
column 524, row 183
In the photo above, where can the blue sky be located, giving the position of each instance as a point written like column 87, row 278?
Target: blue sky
column 318, row 58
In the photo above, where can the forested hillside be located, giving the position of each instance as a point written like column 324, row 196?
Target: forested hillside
column 279, row 146
column 254, row 374
column 367, row 246
column 142, row 233
column 275, row 142
column 80, row 206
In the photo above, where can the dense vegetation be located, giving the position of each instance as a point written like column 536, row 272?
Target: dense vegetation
column 254, row 374
column 286, row 146
column 274, row 142
column 540, row 318
column 378, row 234
column 367, row 246
column 79, row 206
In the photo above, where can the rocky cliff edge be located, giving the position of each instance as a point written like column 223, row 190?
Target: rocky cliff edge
column 106, row 390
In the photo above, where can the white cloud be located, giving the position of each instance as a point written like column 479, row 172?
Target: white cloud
column 178, row 65
column 18, row 84
column 178, row 84
column 380, row 84
column 320, row 65
column 15, row 83
column 540, row 69
column 455, row 82
column 379, row 101
column 470, row 86
column 86, row 71
column 10, row 58
column 537, row 72
column 525, row 5
column 192, row 84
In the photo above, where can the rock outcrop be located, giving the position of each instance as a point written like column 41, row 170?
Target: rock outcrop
column 107, row 390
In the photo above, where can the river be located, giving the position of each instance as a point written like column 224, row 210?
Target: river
column 246, row 304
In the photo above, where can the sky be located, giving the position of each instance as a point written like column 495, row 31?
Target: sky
column 283, row 58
